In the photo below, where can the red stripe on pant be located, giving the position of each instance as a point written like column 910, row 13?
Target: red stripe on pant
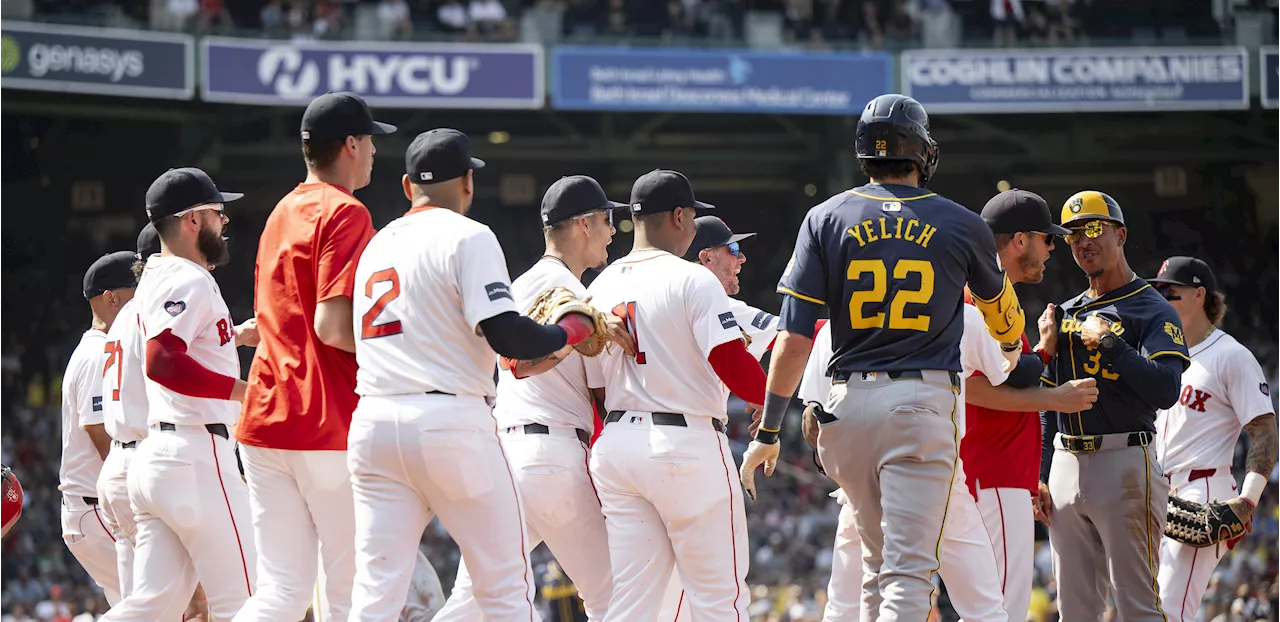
column 733, row 537
column 244, row 564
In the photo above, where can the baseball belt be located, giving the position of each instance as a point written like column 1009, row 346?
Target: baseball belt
column 673, row 419
column 128, row 445
column 538, row 428
column 841, row 376
column 1090, row 444
column 216, row 429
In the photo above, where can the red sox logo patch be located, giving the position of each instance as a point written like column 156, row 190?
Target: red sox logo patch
column 1265, row 388
column 1164, row 266
column 175, row 308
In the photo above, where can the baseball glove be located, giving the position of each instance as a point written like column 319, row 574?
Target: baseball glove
column 11, row 502
column 1202, row 524
column 555, row 303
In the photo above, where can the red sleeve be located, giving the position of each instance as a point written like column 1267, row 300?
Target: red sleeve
column 343, row 237
column 172, row 368
column 739, row 371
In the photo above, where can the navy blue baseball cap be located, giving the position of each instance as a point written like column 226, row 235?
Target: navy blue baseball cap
column 148, row 242
column 110, row 271
column 439, row 155
column 574, row 195
column 1187, row 271
column 180, row 189
column 1020, row 211
column 663, row 191
column 710, row 232
column 335, row 116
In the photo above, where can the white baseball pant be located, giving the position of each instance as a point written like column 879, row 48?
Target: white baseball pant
column 413, row 457
column 192, row 513
column 562, row 510
column 303, row 517
column 87, row 536
column 1010, row 522
column 1185, row 570
column 113, row 495
column 671, row 499
column 968, row 564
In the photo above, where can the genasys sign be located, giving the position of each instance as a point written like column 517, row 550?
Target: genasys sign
column 102, row 61
column 406, row 75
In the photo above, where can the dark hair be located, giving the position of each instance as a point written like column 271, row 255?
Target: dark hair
column 166, row 226
column 887, row 169
column 321, row 154
column 1003, row 240
column 1215, row 306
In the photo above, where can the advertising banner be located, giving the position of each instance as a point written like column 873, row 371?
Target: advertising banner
column 102, row 61
column 1077, row 80
column 1269, row 64
column 404, row 75
column 656, row 79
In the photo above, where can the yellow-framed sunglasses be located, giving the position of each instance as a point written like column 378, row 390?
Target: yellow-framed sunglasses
column 1091, row 230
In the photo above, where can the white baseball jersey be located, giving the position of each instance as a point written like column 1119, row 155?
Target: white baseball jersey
column 558, row 397
column 1222, row 390
column 124, row 388
column 82, row 406
column 423, row 285
column 181, row 296
column 978, row 352
column 678, row 313
column 760, row 326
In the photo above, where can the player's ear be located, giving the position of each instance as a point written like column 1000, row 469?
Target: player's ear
column 408, row 187
column 1122, row 234
column 469, row 184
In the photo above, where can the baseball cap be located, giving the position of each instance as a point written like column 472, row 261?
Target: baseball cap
column 148, row 242
column 1017, row 210
column 180, row 189
column 663, row 191
column 335, row 116
column 439, row 155
column 710, row 232
column 574, row 195
column 110, row 271
column 1187, row 271
column 1091, row 205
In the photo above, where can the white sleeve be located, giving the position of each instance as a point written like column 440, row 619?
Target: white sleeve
column 979, row 351
column 761, row 326
column 483, row 281
column 710, row 314
column 594, row 368
column 89, row 390
column 815, row 385
column 1247, row 390
column 183, row 305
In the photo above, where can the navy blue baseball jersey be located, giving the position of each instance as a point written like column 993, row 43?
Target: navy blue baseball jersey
column 891, row 263
column 1144, row 320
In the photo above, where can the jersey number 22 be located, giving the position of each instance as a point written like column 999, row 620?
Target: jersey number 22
column 876, row 294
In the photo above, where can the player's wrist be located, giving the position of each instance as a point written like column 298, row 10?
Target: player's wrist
column 1252, row 488
column 767, row 437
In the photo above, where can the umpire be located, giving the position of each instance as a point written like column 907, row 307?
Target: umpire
column 1106, row 497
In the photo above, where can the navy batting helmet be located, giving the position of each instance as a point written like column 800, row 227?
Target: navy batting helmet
column 896, row 127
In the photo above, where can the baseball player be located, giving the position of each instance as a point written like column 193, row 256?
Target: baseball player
column 890, row 260
column 545, row 420
column 1106, row 496
column 1223, row 391
column 297, row 410
column 11, row 502
column 433, row 304
column 108, row 285
column 662, row 465
column 189, row 502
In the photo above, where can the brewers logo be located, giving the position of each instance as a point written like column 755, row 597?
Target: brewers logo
column 1076, row 204
column 1174, row 333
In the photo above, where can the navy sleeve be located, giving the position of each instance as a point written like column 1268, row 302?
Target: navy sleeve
column 799, row 316
column 517, row 337
column 1027, row 373
column 806, row 274
column 1162, row 335
column 986, row 279
column 1048, row 429
column 1154, row 381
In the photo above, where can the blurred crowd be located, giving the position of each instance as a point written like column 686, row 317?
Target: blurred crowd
column 819, row 24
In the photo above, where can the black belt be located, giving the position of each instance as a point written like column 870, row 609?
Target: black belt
column 128, row 445
column 213, row 428
column 538, row 428
column 1090, row 444
column 675, row 419
column 437, row 393
column 90, row 500
column 821, row 415
column 907, row 374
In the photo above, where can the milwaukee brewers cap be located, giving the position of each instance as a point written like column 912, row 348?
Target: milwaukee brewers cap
column 148, row 242
column 1016, row 210
column 439, row 155
column 710, row 232
column 574, row 195
column 663, row 191
column 180, row 189
column 110, row 271
column 1187, row 271
column 335, row 116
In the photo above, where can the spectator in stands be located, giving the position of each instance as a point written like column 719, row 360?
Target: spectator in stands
column 899, row 28
column 181, row 13
column 797, row 20
column 271, row 18
column 213, row 16
column 393, row 15
column 452, row 16
column 489, row 19
column 1006, row 16
column 616, row 21
column 714, row 20
column 19, row 614
column 679, row 24
column 580, row 18
column 871, row 17
column 326, row 19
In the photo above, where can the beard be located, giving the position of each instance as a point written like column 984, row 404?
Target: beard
column 1032, row 270
column 214, row 248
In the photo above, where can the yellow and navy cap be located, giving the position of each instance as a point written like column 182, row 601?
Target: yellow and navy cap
column 1091, row 205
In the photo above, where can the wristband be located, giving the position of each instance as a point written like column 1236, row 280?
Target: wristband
column 1044, row 356
column 775, row 408
column 1251, row 489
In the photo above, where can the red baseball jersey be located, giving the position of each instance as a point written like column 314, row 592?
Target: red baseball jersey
column 1001, row 449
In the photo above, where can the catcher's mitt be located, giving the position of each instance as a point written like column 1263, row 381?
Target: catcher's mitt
column 555, row 303
column 1202, row 524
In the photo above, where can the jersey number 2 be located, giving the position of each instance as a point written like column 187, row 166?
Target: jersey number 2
column 627, row 311
column 369, row 330
column 115, row 358
column 876, row 294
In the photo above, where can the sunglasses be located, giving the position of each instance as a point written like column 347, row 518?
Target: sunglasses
column 1167, row 292
column 734, row 249
column 608, row 213
column 1091, row 230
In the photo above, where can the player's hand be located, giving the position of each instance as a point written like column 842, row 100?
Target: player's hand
column 247, row 333
column 757, row 454
column 1244, row 510
column 757, row 415
column 238, row 390
column 619, row 334
column 1012, row 353
column 1075, row 396
column 809, row 426
column 1048, row 326
column 1042, row 504
column 1093, row 330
